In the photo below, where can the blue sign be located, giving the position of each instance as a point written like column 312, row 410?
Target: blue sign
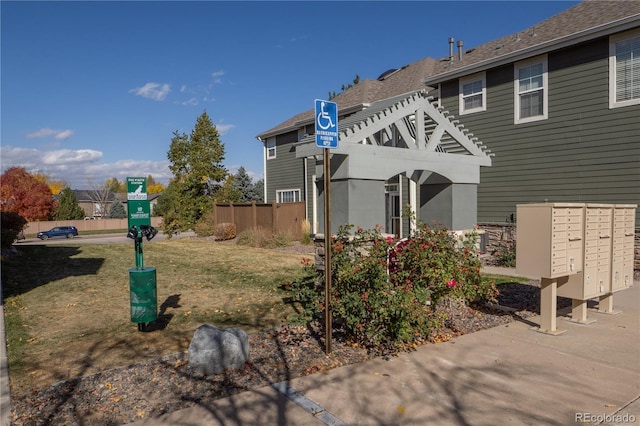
column 326, row 124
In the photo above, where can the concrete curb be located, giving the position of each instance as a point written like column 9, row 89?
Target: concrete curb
column 5, row 395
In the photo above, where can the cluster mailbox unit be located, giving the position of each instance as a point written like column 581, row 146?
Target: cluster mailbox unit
column 580, row 250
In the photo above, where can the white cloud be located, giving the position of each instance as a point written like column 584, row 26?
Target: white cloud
column 64, row 135
column 58, row 134
column 217, row 76
column 224, row 128
column 155, row 91
column 81, row 168
column 69, row 156
column 192, row 101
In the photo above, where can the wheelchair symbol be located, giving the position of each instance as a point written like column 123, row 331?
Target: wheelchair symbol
column 324, row 119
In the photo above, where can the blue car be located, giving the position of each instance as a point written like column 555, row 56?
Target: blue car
column 59, row 231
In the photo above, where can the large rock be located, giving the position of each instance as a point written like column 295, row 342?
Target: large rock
column 213, row 350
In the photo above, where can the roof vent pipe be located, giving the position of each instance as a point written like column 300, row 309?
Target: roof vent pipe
column 451, row 40
column 460, row 44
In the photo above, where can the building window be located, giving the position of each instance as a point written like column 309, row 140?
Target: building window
column 624, row 69
column 271, row 148
column 531, row 90
column 97, row 210
column 473, row 94
column 288, row 196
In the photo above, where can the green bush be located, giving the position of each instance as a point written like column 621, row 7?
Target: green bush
column 384, row 291
column 11, row 225
column 505, row 254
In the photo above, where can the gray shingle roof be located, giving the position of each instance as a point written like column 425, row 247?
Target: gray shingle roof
column 581, row 19
column 84, row 195
column 590, row 15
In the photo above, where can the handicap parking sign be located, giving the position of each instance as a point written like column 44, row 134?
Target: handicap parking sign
column 326, row 124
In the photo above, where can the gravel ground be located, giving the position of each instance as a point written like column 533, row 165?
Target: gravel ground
column 166, row 384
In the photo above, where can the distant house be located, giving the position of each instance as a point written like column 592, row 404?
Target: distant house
column 96, row 203
column 558, row 104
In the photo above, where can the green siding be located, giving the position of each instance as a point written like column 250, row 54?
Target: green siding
column 583, row 152
column 285, row 171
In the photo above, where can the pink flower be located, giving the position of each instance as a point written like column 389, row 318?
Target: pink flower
column 389, row 239
column 451, row 283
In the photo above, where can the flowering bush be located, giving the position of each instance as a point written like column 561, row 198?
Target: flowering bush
column 384, row 291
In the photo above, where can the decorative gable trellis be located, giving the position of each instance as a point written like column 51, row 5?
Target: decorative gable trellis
column 406, row 135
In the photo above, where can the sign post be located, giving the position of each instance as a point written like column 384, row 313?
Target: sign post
column 326, row 124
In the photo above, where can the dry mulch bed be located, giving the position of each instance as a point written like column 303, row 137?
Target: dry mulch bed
column 166, row 384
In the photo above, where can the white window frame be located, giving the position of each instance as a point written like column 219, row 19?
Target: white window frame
column 545, row 89
column 613, row 102
column 270, row 147
column 281, row 192
column 480, row 77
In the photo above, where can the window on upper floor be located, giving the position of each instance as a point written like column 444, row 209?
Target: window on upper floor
column 271, row 148
column 531, row 90
column 472, row 95
column 624, row 69
column 288, row 196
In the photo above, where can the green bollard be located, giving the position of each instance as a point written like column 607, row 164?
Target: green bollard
column 144, row 301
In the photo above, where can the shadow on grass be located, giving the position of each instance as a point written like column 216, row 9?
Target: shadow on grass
column 164, row 318
column 39, row 265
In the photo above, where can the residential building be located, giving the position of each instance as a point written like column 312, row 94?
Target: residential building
column 553, row 113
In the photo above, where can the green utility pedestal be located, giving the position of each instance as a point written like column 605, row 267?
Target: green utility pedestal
column 144, row 301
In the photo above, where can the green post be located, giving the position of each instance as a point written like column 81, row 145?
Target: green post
column 142, row 280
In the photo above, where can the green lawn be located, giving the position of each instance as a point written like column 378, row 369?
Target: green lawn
column 67, row 307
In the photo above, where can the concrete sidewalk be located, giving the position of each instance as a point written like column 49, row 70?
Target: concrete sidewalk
column 505, row 375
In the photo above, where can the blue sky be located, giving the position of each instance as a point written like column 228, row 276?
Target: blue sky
column 92, row 90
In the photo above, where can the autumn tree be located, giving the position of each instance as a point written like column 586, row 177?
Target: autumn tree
column 154, row 187
column 25, row 195
column 68, row 206
column 196, row 164
column 55, row 186
column 115, row 185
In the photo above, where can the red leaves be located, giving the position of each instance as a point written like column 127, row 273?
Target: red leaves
column 22, row 193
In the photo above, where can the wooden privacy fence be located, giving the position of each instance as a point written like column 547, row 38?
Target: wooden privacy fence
column 285, row 217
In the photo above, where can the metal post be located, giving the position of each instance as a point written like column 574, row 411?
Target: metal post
column 138, row 250
column 327, row 252
column 548, row 306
